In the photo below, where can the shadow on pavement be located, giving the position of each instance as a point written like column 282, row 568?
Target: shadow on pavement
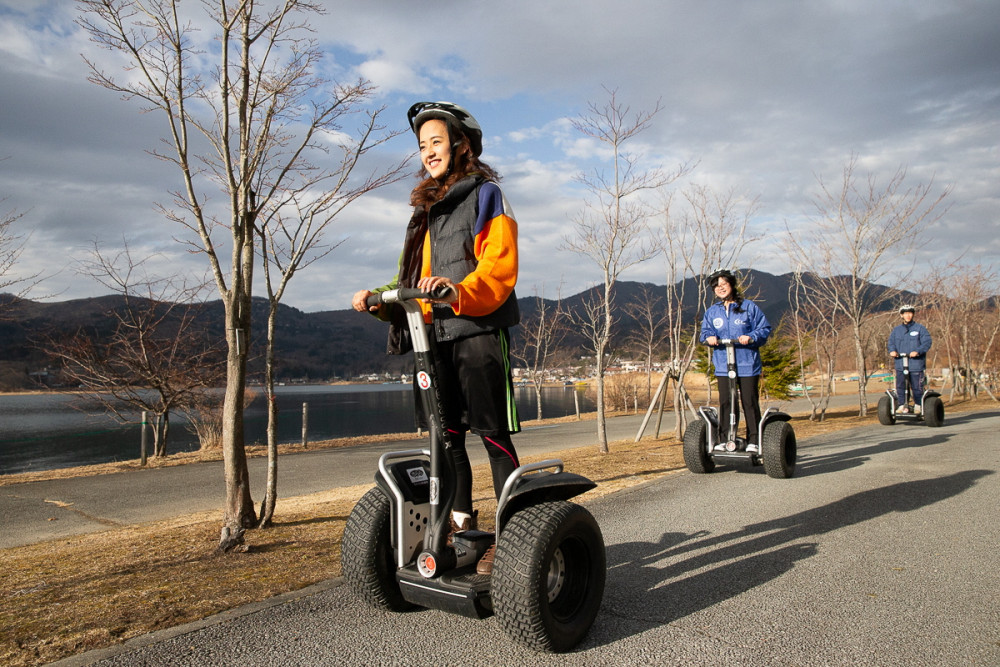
column 822, row 464
column 658, row 583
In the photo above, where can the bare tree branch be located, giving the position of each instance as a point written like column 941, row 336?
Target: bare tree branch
column 862, row 229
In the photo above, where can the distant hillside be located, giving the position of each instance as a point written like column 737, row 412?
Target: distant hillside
column 317, row 346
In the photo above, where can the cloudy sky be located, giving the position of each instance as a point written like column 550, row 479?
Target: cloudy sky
column 766, row 97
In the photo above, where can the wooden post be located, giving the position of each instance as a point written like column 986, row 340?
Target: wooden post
column 144, row 435
column 652, row 406
column 659, row 411
column 305, row 425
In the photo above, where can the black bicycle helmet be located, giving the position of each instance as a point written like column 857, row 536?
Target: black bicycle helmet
column 907, row 308
column 722, row 273
column 452, row 114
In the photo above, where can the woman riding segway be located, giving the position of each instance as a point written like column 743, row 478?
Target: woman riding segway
column 735, row 318
column 460, row 213
column 543, row 571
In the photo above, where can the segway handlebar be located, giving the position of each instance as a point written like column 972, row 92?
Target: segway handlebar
column 406, row 294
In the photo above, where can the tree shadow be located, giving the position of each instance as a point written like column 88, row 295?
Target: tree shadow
column 651, row 583
column 823, row 464
column 901, row 438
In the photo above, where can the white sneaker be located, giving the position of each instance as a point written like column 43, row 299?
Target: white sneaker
column 753, row 449
column 901, row 410
column 916, row 409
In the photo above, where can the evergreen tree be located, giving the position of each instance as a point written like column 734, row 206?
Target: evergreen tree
column 781, row 369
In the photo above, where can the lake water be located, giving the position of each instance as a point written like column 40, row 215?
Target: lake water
column 49, row 431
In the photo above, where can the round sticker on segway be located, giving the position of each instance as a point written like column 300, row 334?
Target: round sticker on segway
column 423, row 380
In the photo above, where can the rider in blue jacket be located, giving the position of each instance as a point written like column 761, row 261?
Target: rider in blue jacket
column 735, row 318
column 912, row 340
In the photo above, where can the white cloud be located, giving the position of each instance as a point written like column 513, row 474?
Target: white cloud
column 765, row 97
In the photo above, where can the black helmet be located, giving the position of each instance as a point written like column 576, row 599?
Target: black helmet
column 907, row 308
column 452, row 114
column 722, row 273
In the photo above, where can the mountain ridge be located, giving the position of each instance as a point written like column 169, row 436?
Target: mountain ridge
column 323, row 345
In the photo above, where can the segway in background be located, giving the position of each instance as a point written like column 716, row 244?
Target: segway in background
column 930, row 409
column 706, row 441
column 549, row 568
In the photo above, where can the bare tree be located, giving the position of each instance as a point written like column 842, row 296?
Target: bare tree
column 612, row 229
column 705, row 232
column 961, row 299
column 650, row 332
column 255, row 126
column 11, row 247
column 158, row 357
column 539, row 334
column 292, row 238
column 814, row 323
column 863, row 228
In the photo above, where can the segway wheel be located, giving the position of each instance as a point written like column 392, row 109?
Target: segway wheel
column 548, row 575
column 779, row 449
column 696, row 457
column 885, row 415
column 933, row 411
column 367, row 560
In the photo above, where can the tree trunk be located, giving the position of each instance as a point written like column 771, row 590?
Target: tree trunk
column 157, row 435
column 538, row 399
column 602, row 431
column 161, row 427
column 239, row 511
column 271, row 491
column 859, row 353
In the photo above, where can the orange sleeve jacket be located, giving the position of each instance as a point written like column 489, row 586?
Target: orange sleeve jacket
column 487, row 287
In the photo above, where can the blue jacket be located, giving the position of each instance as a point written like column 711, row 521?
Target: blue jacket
column 748, row 321
column 906, row 338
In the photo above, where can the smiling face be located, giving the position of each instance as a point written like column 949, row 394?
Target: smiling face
column 435, row 148
column 723, row 290
column 907, row 316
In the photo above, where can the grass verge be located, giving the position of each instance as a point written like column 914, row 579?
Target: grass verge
column 68, row 596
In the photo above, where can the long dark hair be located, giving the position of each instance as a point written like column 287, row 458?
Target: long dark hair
column 463, row 163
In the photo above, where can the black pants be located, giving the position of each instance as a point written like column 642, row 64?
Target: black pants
column 477, row 394
column 748, row 388
column 503, row 460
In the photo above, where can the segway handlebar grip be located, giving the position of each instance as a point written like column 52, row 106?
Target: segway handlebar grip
column 405, row 294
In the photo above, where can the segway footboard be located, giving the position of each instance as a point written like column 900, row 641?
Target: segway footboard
column 460, row 591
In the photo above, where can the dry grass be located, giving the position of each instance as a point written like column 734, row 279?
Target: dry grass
column 71, row 595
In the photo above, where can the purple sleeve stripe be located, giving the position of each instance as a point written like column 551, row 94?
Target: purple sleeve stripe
column 490, row 205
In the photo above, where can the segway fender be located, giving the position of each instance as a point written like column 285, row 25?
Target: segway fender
column 542, row 487
column 775, row 416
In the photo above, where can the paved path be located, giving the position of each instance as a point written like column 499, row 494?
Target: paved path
column 882, row 550
column 39, row 511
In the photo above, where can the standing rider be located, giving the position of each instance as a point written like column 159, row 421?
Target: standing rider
column 909, row 339
column 738, row 319
column 462, row 236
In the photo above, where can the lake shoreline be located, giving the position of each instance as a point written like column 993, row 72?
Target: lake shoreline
column 253, row 451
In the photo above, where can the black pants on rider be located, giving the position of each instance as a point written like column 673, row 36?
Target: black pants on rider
column 476, row 394
column 748, row 392
column 916, row 379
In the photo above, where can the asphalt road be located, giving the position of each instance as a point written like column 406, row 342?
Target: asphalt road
column 882, row 550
